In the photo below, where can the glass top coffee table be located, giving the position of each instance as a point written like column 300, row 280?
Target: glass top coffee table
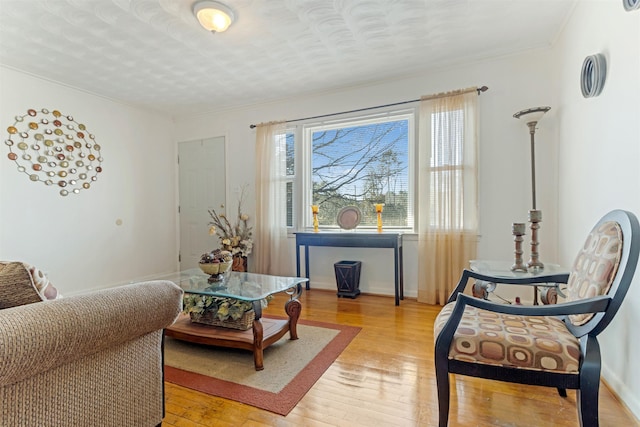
column 248, row 287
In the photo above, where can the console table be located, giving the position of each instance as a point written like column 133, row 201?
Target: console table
column 353, row 240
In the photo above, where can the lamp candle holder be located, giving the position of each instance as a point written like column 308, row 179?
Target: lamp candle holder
column 535, row 218
column 518, row 229
column 314, row 211
column 379, row 215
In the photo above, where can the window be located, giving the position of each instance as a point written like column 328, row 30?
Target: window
column 356, row 162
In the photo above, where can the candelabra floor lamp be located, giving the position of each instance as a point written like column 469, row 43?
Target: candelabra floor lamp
column 532, row 116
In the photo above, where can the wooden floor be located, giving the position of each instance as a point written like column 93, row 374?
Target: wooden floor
column 385, row 377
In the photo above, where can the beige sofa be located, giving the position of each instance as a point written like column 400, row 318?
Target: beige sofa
column 87, row 360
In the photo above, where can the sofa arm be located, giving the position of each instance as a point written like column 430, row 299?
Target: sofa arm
column 37, row 337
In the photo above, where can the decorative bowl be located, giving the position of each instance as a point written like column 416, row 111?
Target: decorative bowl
column 215, row 270
column 210, row 268
column 224, row 266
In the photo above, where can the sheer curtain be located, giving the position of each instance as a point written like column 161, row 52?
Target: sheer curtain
column 448, row 192
column 270, row 239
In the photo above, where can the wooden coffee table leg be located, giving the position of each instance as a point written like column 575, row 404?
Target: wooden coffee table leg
column 293, row 308
column 258, row 354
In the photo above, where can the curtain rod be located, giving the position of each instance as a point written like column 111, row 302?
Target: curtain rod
column 439, row 95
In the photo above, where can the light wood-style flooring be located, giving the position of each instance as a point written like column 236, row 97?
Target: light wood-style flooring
column 385, row 377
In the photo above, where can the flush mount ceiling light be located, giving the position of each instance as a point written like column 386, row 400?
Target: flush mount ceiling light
column 213, row 16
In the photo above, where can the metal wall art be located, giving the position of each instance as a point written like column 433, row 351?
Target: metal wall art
column 593, row 75
column 52, row 148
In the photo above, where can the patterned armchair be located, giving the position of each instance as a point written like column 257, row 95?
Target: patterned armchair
column 551, row 345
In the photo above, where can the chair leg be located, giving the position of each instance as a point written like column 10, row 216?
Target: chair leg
column 588, row 407
column 562, row 392
column 442, row 381
column 587, row 395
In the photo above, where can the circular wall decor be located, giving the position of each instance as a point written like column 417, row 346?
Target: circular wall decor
column 52, row 148
column 630, row 5
column 593, row 75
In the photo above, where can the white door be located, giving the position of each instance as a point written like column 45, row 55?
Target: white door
column 202, row 187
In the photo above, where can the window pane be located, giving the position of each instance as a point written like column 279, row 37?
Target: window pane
column 446, row 202
column 447, row 136
column 291, row 158
column 289, row 212
column 361, row 165
column 447, row 170
column 290, row 173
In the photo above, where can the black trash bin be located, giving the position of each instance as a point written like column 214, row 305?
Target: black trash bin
column 348, row 278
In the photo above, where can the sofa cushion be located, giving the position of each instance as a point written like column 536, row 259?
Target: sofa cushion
column 22, row 283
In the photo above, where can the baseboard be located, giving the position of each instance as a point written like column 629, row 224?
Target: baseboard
column 370, row 294
column 621, row 392
column 369, row 290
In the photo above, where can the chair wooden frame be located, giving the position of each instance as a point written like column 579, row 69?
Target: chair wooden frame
column 587, row 381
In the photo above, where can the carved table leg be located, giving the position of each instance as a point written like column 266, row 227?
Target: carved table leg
column 293, row 308
column 258, row 355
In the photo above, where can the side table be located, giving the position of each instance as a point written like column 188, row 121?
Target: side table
column 545, row 282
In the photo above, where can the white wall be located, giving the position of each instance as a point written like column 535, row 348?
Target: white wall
column 515, row 83
column 599, row 155
column 75, row 238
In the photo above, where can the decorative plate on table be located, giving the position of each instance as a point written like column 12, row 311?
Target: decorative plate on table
column 349, row 217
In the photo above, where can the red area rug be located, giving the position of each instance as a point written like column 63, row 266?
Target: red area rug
column 287, row 359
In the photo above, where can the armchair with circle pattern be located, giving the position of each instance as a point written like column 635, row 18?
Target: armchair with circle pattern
column 551, row 345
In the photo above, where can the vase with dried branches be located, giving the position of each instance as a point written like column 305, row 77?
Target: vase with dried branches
column 236, row 236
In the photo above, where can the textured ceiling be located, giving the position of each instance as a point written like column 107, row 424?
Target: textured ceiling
column 153, row 53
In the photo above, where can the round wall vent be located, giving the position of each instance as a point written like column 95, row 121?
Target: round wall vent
column 630, row 5
column 594, row 73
